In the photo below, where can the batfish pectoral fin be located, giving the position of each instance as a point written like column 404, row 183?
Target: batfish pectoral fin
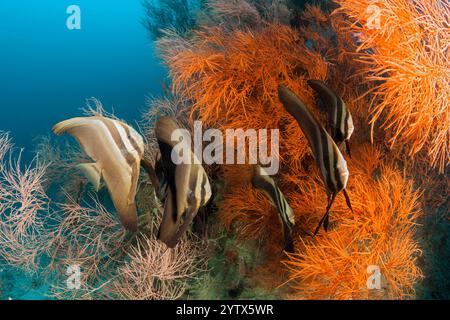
column 93, row 173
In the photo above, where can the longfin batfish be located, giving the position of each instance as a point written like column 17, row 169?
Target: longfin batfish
column 328, row 157
column 117, row 150
column 188, row 184
column 264, row 182
column 339, row 117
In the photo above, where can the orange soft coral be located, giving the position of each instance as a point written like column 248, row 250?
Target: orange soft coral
column 231, row 76
column 380, row 232
column 407, row 56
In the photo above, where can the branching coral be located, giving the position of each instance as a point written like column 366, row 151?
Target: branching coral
column 23, row 204
column 176, row 14
column 406, row 54
column 230, row 76
column 82, row 234
column 244, row 14
column 227, row 74
column 88, row 237
column 61, row 165
column 379, row 233
column 114, row 264
column 239, row 70
column 155, row 272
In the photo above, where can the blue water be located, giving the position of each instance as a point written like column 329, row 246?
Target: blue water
column 48, row 71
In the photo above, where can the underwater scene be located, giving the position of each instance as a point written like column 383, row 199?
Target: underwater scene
column 224, row 150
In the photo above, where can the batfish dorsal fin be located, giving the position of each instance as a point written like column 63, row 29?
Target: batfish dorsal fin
column 307, row 121
column 326, row 94
column 164, row 128
column 93, row 173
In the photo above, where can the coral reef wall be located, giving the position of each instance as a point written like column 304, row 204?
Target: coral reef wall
column 230, row 74
column 404, row 50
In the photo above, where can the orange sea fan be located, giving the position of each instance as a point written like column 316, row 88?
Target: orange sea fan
column 222, row 72
column 250, row 215
column 380, row 232
column 406, row 55
column 230, row 76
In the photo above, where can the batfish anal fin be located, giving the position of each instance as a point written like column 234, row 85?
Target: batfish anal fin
column 326, row 222
column 325, row 217
column 347, row 200
column 93, row 173
column 347, row 146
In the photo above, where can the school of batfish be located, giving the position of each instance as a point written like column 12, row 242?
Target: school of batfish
column 117, row 152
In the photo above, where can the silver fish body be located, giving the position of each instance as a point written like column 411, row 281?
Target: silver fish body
column 188, row 187
column 286, row 216
column 339, row 117
column 328, row 157
column 117, row 150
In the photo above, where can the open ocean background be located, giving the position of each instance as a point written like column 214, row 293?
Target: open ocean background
column 48, row 71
